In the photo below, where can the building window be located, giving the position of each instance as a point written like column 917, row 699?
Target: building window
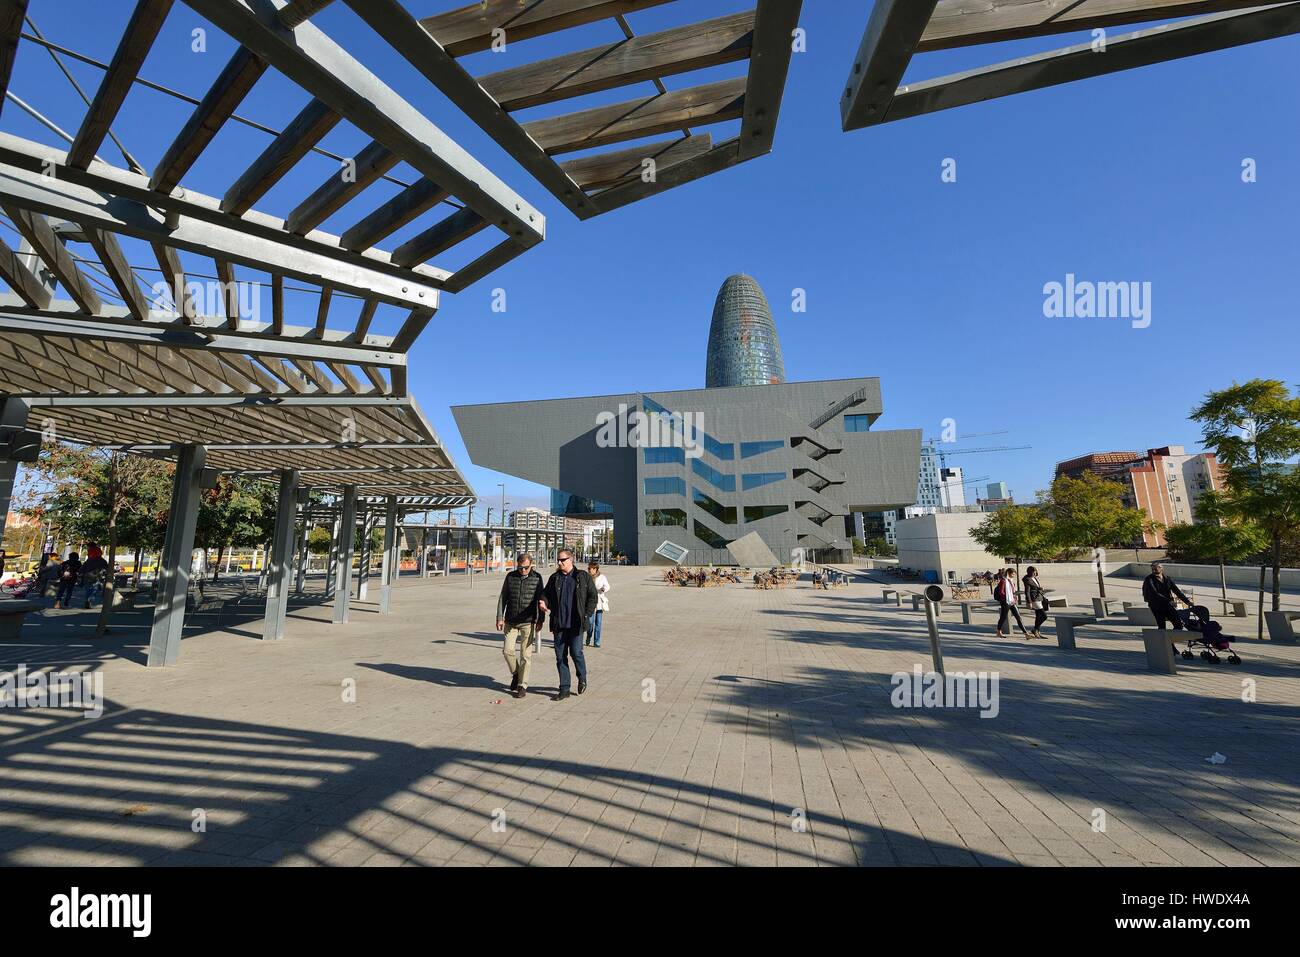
column 857, row 423
column 720, row 450
column 759, row 479
column 749, row 449
column 726, row 483
column 668, row 485
column 665, row 455
column 756, row 513
column 664, row 517
column 723, row 513
column 708, row 536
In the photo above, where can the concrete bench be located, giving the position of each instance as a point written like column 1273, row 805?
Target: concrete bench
column 898, row 596
column 1139, row 615
column 1233, row 606
column 968, row 606
column 124, row 598
column 1101, row 606
column 12, row 612
column 1280, row 628
column 1160, row 651
column 1058, row 601
column 918, row 602
column 1065, row 625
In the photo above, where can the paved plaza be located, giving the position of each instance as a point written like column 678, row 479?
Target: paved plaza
column 722, row 726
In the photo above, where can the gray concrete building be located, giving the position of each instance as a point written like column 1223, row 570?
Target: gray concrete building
column 704, row 467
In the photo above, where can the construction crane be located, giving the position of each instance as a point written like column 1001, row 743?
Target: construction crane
column 973, row 435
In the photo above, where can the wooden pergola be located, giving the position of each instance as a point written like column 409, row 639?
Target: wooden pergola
column 897, row 30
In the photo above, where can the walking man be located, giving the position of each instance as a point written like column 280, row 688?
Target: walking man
column 570, row 599
column 519, row 613
column 1158, row 591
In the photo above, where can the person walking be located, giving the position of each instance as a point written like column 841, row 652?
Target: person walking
column 94, row 573
column 1037, row 600
column 570, row 599
column 1158, row 591
column 1004, row 590
column 601, row 583
column 519, row 613
column 69, row 574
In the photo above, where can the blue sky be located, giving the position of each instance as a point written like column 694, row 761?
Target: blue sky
column 937, row 288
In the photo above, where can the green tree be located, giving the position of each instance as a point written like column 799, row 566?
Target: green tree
column 236, row 513
column 1254, row 430
column 1089, row 513
column 1218, row 535
column 1017, row 532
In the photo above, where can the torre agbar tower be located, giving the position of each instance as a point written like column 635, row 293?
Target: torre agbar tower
column 743, row 345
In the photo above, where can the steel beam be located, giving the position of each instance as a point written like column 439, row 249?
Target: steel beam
column 891, row 37
column 278, row 568
column 346, row 543
column 769, row 65
column 174, row 562
column 389, row 567
column 327, row 71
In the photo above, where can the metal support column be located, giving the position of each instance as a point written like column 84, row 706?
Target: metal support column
column 391, row 546
column 304, row 556
column 332, row 562
column 277, row 574
column 422, row 567
column 173, row 579
column 13, row 419
column 367, row 554
column 346, row 545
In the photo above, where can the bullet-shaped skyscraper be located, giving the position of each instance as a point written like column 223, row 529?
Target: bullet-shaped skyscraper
column 743, row 345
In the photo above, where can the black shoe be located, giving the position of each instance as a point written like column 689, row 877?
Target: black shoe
column 514, row 682
column 582, row 685
column 520, row 692
column 562, row 695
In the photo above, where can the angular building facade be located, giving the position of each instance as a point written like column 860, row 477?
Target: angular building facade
column 790, row 461
column 743, row 344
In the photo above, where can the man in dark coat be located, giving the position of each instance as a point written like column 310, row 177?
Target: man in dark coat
column 570, row 600
column 519, row 612
column 1158, row 591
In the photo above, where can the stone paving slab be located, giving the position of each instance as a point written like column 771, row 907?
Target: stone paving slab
column 722, row 726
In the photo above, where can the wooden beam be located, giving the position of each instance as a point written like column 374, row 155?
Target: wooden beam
column 236, row 80
column 229, row 292
column 694, row 106
column 169, row 261
column 365, row 319
column 36, row 229
column 893, row 31
column 404, row 208
column 296, row 12
column 1170, row 41
column 411, row 329
column 21, row 279
column 490, row 261
column 439, row 237
column 769, row 65
column 367, row 166
column 961, row 23
column 721, row 157
column 693, row 47
column 345, row 376
column 11, row 26
column 377, row 379
column 469, row 29
column 303, row 132
column 277, row 304
column 141, row 31
column 111, row 257
column 620, row 166
column 323, row 310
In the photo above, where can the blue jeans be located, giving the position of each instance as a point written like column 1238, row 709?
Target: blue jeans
column 569, row 642
column 593, row 627
column 64, row 595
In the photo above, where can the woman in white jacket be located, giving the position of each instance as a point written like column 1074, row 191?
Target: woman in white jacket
column 602, row 604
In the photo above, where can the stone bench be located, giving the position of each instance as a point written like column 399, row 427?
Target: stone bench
column 12, row 612
column 1234, row 606
column 1280, row 628
column 1160, row 650
column 1139, row 615
column 124, row 598
column 918, row 602
column 1058, row 601
column 968, row 606
column 1101, row 606
column 1065, row 625
column 898, row 596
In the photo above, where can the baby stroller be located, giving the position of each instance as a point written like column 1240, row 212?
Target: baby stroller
column 1206, row 634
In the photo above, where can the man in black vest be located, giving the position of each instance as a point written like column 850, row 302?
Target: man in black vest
column 519, row 613
column 570, row 600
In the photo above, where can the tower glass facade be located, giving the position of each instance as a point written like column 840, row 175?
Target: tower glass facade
column 743, row 345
